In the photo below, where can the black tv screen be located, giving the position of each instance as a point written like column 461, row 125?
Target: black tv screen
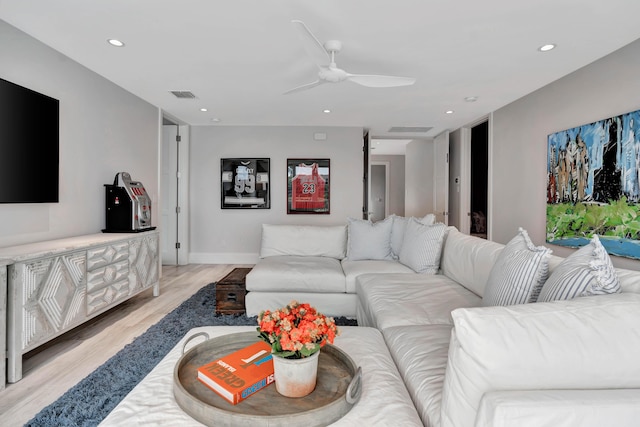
column 29, row 141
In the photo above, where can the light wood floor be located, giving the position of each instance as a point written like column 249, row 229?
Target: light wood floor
column 55, row 367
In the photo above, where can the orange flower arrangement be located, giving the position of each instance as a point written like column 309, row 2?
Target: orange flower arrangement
column 296, row 331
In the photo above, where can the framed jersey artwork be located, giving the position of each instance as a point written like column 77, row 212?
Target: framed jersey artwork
column 245, row 184
column 308, row 186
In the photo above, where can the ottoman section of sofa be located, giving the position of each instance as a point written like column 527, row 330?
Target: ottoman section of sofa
column 291, row 273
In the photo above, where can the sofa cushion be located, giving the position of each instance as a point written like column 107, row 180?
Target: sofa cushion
column 587, row 271
column 422, row 246
column 386, row 300
column 518, row 274
column 584, row 343
column 420, row 353
column 369, row 240
column 353, row 269
column 330, row 304
column 468, row 259
column 296, row 273
column 304, row 240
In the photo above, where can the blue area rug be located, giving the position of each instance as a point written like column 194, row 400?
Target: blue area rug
column 90, row 401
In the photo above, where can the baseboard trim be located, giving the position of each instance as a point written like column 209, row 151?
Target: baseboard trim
column 223, row 258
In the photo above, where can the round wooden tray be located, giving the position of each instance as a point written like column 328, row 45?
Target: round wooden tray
column 338, row 388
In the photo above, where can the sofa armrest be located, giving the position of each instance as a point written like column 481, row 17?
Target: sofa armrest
column 559, row 408
column 582, row 344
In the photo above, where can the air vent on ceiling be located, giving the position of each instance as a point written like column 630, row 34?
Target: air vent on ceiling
column 410, row 129
column 183, row 94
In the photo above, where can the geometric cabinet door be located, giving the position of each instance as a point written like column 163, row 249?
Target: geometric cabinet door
column 143, row 262
column 53, row 293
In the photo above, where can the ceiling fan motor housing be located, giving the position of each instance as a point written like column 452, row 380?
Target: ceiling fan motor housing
column 332, row 74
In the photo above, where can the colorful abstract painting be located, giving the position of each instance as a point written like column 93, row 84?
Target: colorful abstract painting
column 593, row 185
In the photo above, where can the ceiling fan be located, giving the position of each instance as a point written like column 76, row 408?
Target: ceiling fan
column 324, row 58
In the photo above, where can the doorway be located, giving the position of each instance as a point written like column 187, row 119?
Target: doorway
column 174, row 186
column 379, row 203
column 479, row 174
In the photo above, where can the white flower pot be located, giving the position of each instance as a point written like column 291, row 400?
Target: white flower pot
column 295, row 377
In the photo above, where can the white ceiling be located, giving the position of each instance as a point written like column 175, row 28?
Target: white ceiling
column 239, row 56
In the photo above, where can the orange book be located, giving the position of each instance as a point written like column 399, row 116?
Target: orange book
column 239, row 374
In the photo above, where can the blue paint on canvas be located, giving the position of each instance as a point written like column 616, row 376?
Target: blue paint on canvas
column 615, row 246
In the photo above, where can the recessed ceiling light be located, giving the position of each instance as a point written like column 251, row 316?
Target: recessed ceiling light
column 215, row 120
column 471, row 99
column 547, row 47
column 449, row 112
column 326, row 111
column 115, row 42
column 204, row 110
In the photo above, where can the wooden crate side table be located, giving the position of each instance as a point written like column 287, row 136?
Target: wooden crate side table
column 230, row 292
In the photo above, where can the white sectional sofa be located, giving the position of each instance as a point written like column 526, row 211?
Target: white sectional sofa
column 469, row 363
column 309, row 263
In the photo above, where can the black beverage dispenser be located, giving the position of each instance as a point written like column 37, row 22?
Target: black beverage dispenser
column 128, row 206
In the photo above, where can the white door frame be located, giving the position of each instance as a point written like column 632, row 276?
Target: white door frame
column 441, row 177
column 464, row 218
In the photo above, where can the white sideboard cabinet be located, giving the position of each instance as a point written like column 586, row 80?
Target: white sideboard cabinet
column 57, row 285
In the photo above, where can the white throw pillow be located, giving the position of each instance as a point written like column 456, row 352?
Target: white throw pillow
column 368, row 240
column 397, row 234
column 428, row 219
column 422, row 246
column 587, row 271
column 518, row 274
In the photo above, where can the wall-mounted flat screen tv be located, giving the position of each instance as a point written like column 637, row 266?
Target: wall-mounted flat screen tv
column 29, row 145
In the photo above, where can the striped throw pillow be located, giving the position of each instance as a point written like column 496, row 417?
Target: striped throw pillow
column 422, row 246
column 587, row 271
column 518, row 274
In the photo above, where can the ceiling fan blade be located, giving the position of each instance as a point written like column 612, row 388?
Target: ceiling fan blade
column 314, row 48
column 304, row 87
column 380, row 81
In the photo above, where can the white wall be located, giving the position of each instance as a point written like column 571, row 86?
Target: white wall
column 233, row 235
column 603, row 89
column 103, row 130
column 419, row 172
column 396, row 178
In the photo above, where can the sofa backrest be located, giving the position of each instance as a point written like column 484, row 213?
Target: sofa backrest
column 468, row 260
column 304, row 240
column 629, row 279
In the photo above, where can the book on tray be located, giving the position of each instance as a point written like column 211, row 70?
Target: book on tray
column 238, row 375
